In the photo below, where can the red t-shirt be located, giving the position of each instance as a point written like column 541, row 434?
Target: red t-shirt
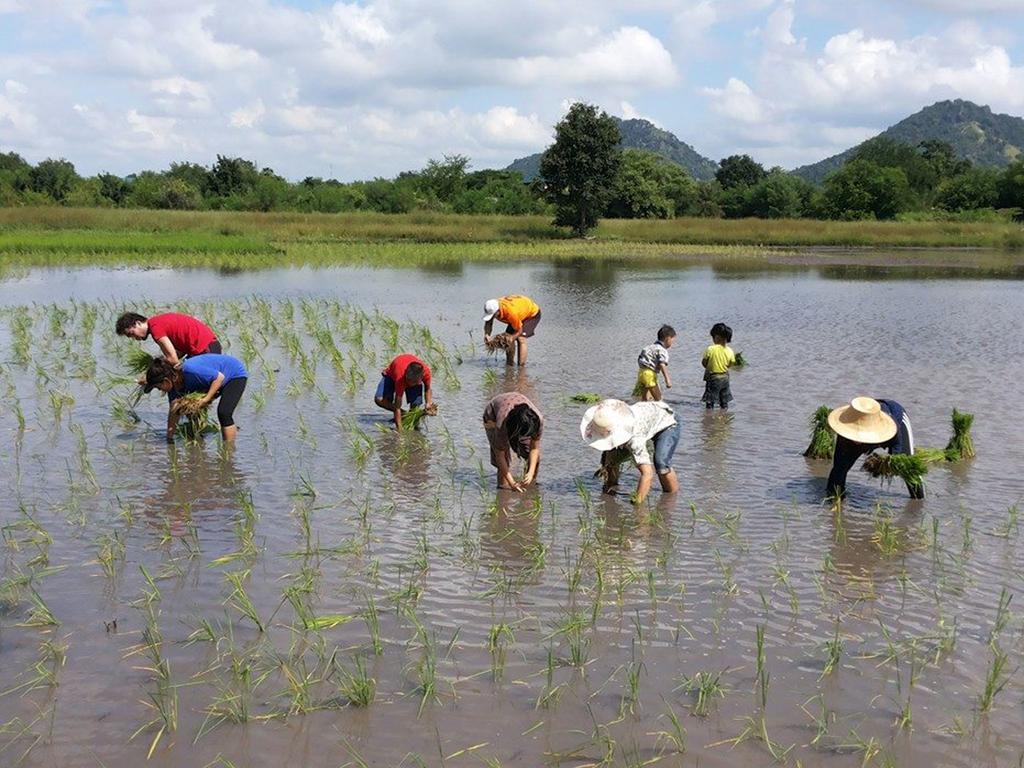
column 188, row 335
column 396, row 372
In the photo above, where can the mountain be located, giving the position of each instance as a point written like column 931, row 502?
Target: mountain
column 975, row 132
column 640, row 134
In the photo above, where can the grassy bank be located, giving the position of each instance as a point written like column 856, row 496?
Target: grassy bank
column 56, row 236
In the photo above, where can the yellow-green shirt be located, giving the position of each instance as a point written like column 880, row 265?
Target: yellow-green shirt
column 718, row 359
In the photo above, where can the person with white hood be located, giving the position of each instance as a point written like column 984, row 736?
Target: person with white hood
column 621, row 432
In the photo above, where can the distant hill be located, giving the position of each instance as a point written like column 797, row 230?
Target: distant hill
column 975, row 132
column 640, row 134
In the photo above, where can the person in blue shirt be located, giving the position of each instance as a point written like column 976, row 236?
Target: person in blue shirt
column 218, row 376
column 863, row 426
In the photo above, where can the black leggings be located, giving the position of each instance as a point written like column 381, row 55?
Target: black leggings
column 230, row 394
column 214, row 349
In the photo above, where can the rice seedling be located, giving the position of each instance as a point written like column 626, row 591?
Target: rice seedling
column 137, row 360
column 823, row 439
column 996, row 678
column 705, row 687
column 833, row 654
column 961, row 445
column 911, row 469
column 586, row 397
column 39, row 613
column 498, row 639
column 239, row 598
column 196, row 413
column 355, row 685
column 499, row 342
column 741, row 361
column 110, row 552
column 673, row 740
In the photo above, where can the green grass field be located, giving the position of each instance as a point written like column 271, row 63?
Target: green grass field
column 62, row 236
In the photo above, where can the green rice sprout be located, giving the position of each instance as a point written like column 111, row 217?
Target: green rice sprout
column 911, row 469
column 823, row 439
column 741, row 362
column 705, row 687
column 137, row 360
column 356, row 686
column 586, row 397
column 960, row 445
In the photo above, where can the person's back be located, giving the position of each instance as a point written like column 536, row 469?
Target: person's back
column 653, row 359
column 199, row 371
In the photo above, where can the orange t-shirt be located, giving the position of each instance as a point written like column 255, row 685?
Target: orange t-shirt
column 515, row 309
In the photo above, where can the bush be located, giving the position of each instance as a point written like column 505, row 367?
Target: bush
column 863, row 190
column 977, row 188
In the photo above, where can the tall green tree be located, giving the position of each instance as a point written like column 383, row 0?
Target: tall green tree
column 55, row 178
column 739, row 171
column 863, row 190
column 580, row 168
column 650, row 187
column 968, row 191
column 1011, row 186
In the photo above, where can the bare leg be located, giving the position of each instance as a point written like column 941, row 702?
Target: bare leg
column 521, row 346
column 387, row 405
column 229, row 433
column 669, row 482
column 510, row 355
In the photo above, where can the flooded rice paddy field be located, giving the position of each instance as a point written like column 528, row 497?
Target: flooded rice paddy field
column 331, row 593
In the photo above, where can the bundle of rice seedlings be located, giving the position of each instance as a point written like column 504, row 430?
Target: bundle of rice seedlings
column 413, row 418
column 911, row 469
column 138, row 360
column 498, row 342
column 740, row 361
column 196, row 414
column 960, row 446
column 823, row 439
column 586, row 397
column 930, row 455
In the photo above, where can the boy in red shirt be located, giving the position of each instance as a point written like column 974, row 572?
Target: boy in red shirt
column 177, row 335
column 406, row 375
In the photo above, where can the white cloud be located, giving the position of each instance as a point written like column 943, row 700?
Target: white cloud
column 248, row 116
column 803, row 102
column 738, row 102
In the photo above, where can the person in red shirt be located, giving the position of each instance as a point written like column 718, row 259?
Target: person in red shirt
column 409, row 376
column 177, row 335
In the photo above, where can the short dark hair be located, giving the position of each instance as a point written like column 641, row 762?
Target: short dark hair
column 128, row 320
column 414, row 369
column 721, row 330
column 666, row 332
column 159, row 370
column 522, row 421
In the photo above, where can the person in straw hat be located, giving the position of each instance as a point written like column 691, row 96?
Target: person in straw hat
column 621, row 432
column 863, row 426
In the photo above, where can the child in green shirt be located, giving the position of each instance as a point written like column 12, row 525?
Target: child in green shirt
column 717, row 360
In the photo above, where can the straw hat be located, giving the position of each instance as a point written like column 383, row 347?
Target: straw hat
column 863, row 422
column 491, row 307
column 608, row 425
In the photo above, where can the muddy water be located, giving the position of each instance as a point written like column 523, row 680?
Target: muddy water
column 608, row 609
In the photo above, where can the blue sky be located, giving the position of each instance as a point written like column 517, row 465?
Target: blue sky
column 364, row 89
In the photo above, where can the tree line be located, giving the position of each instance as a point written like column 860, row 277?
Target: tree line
column 585, row 175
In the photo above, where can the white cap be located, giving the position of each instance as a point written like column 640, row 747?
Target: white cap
column 491, row 308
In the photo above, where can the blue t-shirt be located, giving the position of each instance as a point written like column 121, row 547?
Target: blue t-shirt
column 200, row 371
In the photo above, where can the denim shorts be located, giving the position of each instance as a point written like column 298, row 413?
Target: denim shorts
column 386, row 391
column 665, row 443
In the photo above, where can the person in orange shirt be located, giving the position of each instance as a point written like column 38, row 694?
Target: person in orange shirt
column 521, row 314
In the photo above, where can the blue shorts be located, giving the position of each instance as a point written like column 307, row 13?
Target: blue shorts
column 386, row 391
column 665, row 443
